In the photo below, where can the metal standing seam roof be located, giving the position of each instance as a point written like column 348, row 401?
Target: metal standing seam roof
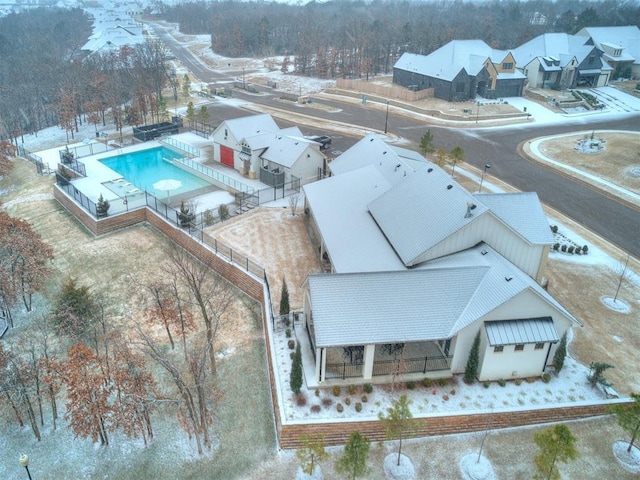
column 523, row 213
column 352, row 238
column 245, row 127
column 514, row 332
column 390, row 307
column 371, row 150
column 422, row 211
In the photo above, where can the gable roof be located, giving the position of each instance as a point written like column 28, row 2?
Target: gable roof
column 339, row 207
column 422, row 211
column 281, row 149
column 418, row 304
column 250, row 126
column 447, row 61
column 391, row 162
column 522, row 212
column 559, row 46
column 627, row 37
column 389, row 307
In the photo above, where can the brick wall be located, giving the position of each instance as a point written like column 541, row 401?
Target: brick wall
column 338, row 433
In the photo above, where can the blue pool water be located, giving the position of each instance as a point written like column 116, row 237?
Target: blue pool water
column 146, row 167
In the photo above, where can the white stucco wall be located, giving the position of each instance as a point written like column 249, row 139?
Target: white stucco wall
column 510, row 363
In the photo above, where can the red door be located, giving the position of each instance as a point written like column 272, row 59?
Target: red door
column 226, row 156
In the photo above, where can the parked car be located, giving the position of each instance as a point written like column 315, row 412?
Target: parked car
column 323, row 140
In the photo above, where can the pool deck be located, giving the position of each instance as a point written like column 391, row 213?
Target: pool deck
column 101, row 180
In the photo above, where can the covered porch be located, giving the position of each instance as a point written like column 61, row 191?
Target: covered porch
column 381, row 363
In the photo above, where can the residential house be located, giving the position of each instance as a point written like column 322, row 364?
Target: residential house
column 257, row 148
column 620, row 47
column 460, row 70
column 113, row 30
column 559, row 60
column 418, row 267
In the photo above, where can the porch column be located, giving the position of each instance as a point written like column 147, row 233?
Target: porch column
column 321, row 364
column 369, row 353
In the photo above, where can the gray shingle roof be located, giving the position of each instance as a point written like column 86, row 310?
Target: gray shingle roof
column 447, row 61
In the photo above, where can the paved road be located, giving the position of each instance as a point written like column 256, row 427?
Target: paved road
column 498, row 146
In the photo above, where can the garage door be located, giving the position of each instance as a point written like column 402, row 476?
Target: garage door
column 226, row 156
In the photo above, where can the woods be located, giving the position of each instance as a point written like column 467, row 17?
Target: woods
column 358, row 39
column 46, row 80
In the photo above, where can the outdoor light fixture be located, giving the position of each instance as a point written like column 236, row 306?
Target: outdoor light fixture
column 24, row 462
column 386, row 118
column 486, row 167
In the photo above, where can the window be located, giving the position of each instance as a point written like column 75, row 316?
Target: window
column 539, row 346
column 519, row 347
column 507, row 65
column 498, row 349
column 246, row 149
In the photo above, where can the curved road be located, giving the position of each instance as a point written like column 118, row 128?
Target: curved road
column 498, row 146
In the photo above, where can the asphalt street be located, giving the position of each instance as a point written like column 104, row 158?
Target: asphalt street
column 617, row 222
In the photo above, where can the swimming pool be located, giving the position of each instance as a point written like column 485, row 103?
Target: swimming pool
column 146, row 167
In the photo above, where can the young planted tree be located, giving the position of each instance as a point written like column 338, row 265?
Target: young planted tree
column 441, row 157
column 561, row 353
column 186, row 86
column 629, row 417
column 426, row 143
column 354, row 460
column 191, row 112
column 556, row 444
column 296, row 375
column 456, row 155
column 596, row 377
column 203, row 114
column 284, row 298
column 471, row 370
column 396, row 420
column 311, row 453
column 102, row 207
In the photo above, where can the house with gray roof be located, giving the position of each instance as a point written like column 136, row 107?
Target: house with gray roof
column 415, row 268
column 559, row 60
column 460, row 70
column 620, row 47
column 257, row 148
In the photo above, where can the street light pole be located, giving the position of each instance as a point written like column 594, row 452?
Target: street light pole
column 486, row 167
column 386, row 118
column 24, row 462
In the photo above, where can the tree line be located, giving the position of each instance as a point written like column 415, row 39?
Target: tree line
column 356, row 38
column 46, row 80
column 77, row 350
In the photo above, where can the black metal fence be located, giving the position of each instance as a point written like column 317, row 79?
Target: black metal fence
column 412, row 365
column 343, row 370
column 195, row 230
column 270, row 194
column 41, row 167
column 76, row 194
column 69, row 161
column 202, row 129
column 85, row 150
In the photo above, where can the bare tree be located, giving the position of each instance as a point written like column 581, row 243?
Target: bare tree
column 208, row 293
